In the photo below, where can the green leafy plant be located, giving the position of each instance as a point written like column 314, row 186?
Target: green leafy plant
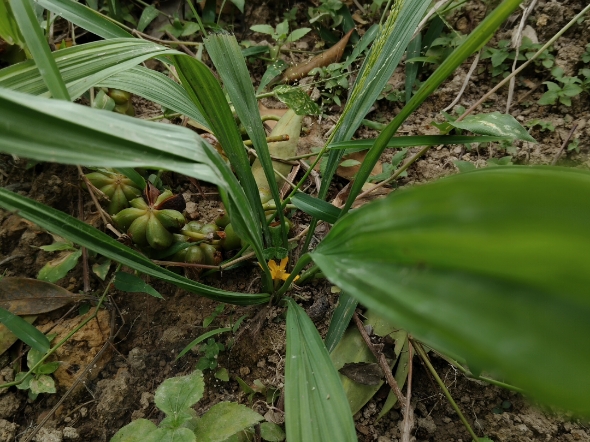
column 569, row 87
column 474, row 265
column 39, row 381
column 586, row 55
column 175, row 397
column 543, row 125
column 280, row 35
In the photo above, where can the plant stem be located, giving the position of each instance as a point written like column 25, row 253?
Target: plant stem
column 443, row 387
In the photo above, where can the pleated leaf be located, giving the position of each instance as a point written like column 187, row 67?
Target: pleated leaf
column 37, row 45
column 315, row 207
column 491, row 265
column 316, row 407
column 83, row 66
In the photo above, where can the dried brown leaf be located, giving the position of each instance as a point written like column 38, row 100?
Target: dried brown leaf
column 25, row 296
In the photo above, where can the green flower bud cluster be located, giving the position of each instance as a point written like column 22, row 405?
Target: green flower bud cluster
column 149, row 221
column 118, row 188
column 208, row 249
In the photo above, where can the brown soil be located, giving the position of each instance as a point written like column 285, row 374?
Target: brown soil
column 151, row 332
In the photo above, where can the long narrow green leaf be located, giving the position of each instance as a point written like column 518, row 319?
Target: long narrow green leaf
column 26, row 332
column 85, row 17
column 156, row 87
column 80, row 233
column 384, row 56
column 491, row 265
column 316, row 207
column 231, row 66
column 417, row 140
column 205, row 92
column 316, row 408
column 29, row 27
column 73, row 134
column 476, row 40
column 340, row 320
column 83, row 66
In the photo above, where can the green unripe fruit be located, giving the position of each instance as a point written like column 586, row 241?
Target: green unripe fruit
column 156, row 234
column 211, row 255
column 194, row 255
column 209, row 228
column 231, row 241
column 138, row 230
column 222, row 220
column 193, row 226
column 120, row 97
column 118, row 188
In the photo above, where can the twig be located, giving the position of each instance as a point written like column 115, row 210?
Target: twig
column 465, row 83
column 438, row 6
column 408, row 412
column 180, row 45
column 517, row 43
column 381, row 360
column 446, row 392
column 525, row 64
column 567, row 139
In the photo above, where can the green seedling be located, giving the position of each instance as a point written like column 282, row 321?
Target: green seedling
column 569, row 87
column 586, row 55
column 210, row 351
column 39, row 381
column 335, row 83
column 65, row 261
column 574, row 145
column 176, row 397
column 280, row 35
column 543, row 125
column 327, row 13
column 270, row 393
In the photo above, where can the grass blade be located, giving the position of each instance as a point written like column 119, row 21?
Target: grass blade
column 316, row 408
column 80, row 233
column 476, row 39
column 340, row 320
column 480, row 265
column 85, row 17
column 26, row 332
column 231, row 66
column 27, row 22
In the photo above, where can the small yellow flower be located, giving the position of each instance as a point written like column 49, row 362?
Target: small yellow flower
column 277, row 271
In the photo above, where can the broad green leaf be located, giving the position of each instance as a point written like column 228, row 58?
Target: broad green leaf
column 80, row 233
column 272, row 71
column 263, row 29
column 171, row 435
column 157, row 87
column 37, row 45
column 349, row 163
column 177, row 394
column 42, row 384
column 340, row 320
column 85, row 17
column 231, row 66
column 271, row 432
column 24, row 331
column 297, row 34
column 225, row 419
column 297, row 100
column 239, row 4
column 48, row 368
column 147, row 16
column 494, row 124
column 464, row 166
column 136, row 431
column 83, row 66
column 59, row 267
column 316, row 408
column 127, row 282
column 491, row 265
column 471, row 44
column 9, row 31
column 315, row 207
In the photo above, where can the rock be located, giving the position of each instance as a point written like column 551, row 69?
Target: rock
column 7, row 430
column 172, row 335
column 113, row 396
column 48, row 435
column 70, row 433
column 426, row 424
column 136, row 358
column 9, row 405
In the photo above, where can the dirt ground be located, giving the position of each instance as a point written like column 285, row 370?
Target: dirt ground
column 149, row 332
